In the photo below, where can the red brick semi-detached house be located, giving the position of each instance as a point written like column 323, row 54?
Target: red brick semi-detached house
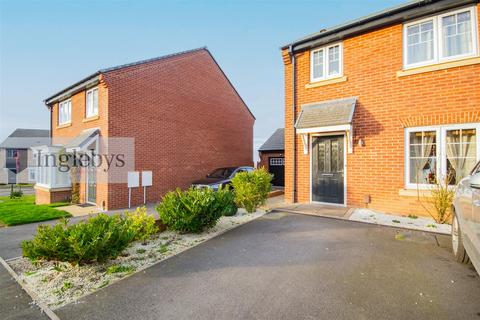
column 382, row 106
column 180, row 111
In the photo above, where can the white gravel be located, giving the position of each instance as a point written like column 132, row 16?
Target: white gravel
column 58, row 284
column 419, row 223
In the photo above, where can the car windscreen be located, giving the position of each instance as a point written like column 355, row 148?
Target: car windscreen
column 221, row 173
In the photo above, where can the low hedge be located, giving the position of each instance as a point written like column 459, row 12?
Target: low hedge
column 99, row 238
column 195, row 209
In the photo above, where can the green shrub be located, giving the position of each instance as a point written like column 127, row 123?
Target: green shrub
column 252, row 188
column 97, row 239
column 15, row 193
column 193, row 210
column 226, row 200
column 142, row 224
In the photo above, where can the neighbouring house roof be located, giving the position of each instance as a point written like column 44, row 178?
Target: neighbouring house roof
column 276, row 142
column 398, row 14
column 93, row 79
column 326, row 113
column 26, row 138
column 81, row 141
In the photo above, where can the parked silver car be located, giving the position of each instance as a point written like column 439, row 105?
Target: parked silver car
column 466, row 219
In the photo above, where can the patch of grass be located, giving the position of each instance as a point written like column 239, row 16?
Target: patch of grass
column 412, row 216
column 141, row 251
column 163, row 248
column 67, row 285
column 24, row 210
column 431, row 225
column 396, row 221
column 164, row 238
column 30, row 273
column 399, row 236
column 104, row 284
column 119, row 269
column 59, row 268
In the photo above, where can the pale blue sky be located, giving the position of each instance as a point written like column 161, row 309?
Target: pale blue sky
column 47, row 45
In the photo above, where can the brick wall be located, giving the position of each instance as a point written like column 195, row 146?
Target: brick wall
column 43, row 196
column 386, row 105
column 186, row 120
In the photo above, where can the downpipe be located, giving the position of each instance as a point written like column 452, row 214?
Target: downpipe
column 294, row 98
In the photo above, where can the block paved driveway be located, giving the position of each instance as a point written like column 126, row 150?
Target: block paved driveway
column 286, row 266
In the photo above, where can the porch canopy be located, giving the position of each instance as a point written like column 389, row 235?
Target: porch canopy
column 326, row 116
column 83, row 140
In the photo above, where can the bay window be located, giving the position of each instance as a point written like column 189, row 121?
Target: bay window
column 443, row 152
column 440, row 38
column 65, row 112
column 326, row 62
column 91, row 103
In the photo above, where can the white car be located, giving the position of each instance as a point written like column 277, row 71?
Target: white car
column 466, row 219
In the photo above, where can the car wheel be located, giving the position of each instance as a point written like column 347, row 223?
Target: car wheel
column 457, row 242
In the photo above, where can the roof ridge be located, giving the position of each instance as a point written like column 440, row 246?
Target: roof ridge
column 135, row 63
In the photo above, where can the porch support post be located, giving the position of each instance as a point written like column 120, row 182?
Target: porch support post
column 350, row 140
column 304, row 137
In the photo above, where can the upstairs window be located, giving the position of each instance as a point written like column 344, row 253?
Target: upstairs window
column 326, row 62
column 91, row 103
column 65, row 112
column 440, row 38
column 12, row 153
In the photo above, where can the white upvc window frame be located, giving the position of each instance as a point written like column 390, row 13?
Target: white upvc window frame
column 67, row 102
column 326, row 70
column 438, row 56
column 91, row 112
column 441, row 157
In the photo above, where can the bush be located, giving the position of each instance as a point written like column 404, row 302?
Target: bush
column 441, row 200
column 226, row 200
column 193, row 210
column 97, row 239
column 15, row 194
column 142, row 224
column 252, row 188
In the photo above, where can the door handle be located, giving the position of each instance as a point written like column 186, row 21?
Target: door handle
column 327, row 174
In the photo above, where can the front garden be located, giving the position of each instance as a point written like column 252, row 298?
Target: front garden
column 22, row 209
column 67, row 261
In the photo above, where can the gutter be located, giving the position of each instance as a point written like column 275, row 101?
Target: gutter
column 294, row 144
column 398, row 14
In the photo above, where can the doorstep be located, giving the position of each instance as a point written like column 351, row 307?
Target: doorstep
column 317, row 209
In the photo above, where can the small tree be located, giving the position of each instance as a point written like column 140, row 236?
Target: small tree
column 252, row 188
column 441, row 199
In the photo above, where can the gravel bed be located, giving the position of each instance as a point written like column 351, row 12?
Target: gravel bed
column 412, row 222
column 58, row 283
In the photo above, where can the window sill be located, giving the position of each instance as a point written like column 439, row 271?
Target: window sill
column 43, row 187
column 92, row 118
column 438, row 66
column 64, row 125
column 325, row 82
column 414, row 193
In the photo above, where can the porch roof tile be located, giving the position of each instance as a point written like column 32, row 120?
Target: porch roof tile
column 82, row 138
column 326, row 113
